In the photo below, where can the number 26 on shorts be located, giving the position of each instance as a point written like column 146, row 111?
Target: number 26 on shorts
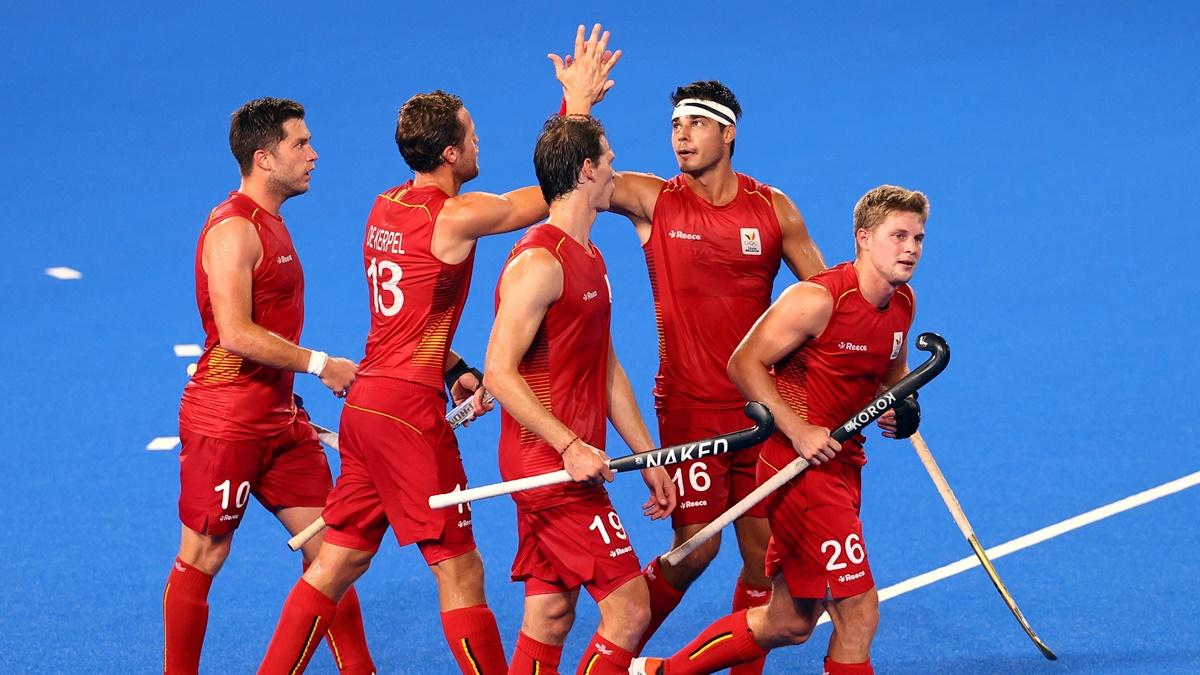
column 853, row 549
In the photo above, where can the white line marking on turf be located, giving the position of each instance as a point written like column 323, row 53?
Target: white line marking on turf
column 163, row 443
column 64, row 273
column 188, row 350
column 1049, row 532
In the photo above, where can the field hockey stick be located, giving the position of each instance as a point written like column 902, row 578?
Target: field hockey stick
column 764, row 425
column 960, row 518
column 462, row 412
column 939, row 357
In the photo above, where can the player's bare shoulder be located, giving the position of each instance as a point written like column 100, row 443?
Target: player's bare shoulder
column 230, row 241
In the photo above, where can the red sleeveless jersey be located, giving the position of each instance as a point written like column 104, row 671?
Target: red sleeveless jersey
column 416, row 300
column 838, row 372
column 711, row 270
column 230, row 397
column 566, row 366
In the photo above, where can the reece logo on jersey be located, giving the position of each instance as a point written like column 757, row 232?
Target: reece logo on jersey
column 751, row 241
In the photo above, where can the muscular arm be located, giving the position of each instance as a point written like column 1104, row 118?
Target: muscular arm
column 469, row 216
column 800, row 314
column 231, row 252
column 531, row 283
column 635, row 196
column 799, row 250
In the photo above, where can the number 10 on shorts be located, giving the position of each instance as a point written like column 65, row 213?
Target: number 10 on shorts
column 240, row 499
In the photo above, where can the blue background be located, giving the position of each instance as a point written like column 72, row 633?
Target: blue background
column 1058, row 144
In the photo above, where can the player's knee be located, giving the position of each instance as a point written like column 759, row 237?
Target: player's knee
column 626, row 622
column 794, row 630
column 464, row 573
column 553, row 622
column 206, row 553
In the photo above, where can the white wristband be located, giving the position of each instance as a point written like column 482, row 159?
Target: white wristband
column 316, row 362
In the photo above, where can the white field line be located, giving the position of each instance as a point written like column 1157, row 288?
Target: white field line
column 1039, row 536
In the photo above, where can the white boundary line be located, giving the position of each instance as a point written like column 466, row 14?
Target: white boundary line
column 1049, row 532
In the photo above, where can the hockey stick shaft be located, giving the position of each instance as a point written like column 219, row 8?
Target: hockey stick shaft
column 461, row 413
column 764, row 425
column 964, row 526
column 933, row 366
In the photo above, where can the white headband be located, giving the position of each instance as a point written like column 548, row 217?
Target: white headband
column 703, row 108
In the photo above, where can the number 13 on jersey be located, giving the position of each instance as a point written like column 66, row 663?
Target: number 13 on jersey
column 386, row 296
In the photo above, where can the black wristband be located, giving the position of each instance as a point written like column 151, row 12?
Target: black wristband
column 458, row 370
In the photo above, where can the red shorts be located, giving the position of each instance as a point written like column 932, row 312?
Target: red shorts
column 816, row 534
column 397, row 450
column 580, row 543
column 709, row 486
column 217, row 477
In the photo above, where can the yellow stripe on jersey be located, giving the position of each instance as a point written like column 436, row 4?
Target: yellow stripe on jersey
column 760, row 196
column 424, row 208
column 839, row 300
column 383, row 414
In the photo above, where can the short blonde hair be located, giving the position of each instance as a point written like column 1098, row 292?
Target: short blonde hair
column 873, row 208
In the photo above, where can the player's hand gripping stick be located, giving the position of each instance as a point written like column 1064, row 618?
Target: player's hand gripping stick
column 939, row 357
column 462, row 412
column 764, row 426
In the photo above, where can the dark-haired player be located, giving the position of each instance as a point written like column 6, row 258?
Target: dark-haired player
column 834, row 343
column 713, row 240
column 242, row 433
column 552, row 367
column 397, row 448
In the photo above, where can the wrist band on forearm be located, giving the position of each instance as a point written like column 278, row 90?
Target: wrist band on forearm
column 458, row 370
column 316, row 362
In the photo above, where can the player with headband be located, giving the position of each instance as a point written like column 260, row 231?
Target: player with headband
column 713, row 240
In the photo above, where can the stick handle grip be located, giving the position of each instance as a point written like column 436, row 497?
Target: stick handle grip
column 943, row 487
column 496, row 489
column 307, row 533
column 738, row 510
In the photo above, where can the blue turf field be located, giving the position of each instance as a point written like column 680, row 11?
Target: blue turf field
column 1057, row 141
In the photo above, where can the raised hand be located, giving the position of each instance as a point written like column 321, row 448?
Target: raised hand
column 584, row 75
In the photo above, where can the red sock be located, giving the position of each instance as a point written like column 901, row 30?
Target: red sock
column 663, row 599
column 746, row 596
column 604, row 658
column 834, row 668
column 728, row 641
column 306, row 616
column 185, row 618
column 474, row 640
column 534, row 658
column 346, row 637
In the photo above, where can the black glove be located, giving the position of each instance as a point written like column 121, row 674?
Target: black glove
column 908, row 416
column 458, row 370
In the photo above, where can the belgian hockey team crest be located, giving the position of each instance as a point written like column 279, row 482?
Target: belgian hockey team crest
column 897, row 343
column 751, row 241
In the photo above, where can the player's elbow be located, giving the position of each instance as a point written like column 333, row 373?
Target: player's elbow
column 234, row 339
column 499, row 378
column 737, row 367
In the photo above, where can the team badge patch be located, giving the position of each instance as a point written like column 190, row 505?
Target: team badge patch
column 751, row 241
column 897, row 343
